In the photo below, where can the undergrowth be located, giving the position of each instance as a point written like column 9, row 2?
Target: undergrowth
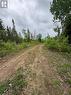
column 58, row 44
column 15, row 85
column 11, row 47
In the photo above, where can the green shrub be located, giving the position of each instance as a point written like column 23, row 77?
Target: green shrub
column 22, row 45
column 59, row 44
column 51, row 43
column 9, row 47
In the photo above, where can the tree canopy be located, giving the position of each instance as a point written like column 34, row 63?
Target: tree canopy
column 61, row 9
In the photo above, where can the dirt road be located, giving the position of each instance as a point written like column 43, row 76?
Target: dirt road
column 42, row 78
column 9, row 66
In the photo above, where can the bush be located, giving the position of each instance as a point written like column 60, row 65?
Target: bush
column 10, row 47
column 22, row 45
column 59, row 44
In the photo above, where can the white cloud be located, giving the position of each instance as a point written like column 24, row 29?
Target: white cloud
column 33, row 14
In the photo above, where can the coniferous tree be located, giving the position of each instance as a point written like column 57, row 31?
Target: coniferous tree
column 8, row 34
column 14, row 33
column 39, row 37
column 28, row 35
column 2, row 30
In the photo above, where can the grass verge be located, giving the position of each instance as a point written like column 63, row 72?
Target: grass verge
column 61, row 64
column 15, row 85
column 11, row 47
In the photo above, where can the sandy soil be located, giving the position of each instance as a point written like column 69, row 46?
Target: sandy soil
column 10, row 65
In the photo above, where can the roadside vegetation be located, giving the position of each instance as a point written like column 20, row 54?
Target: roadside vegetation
column 61, row 11
column 60, row 63
column 58, row 44
column 11, row 41
column 59, row 47
column 7, row 48
column 15, row 85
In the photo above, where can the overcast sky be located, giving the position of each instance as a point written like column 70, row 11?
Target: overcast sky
column 32, row 14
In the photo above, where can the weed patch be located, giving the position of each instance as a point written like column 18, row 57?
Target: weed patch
column 15, row 85
column 59, row 44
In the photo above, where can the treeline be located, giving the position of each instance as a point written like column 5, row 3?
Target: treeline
column 28, row 36
column 10, row 34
